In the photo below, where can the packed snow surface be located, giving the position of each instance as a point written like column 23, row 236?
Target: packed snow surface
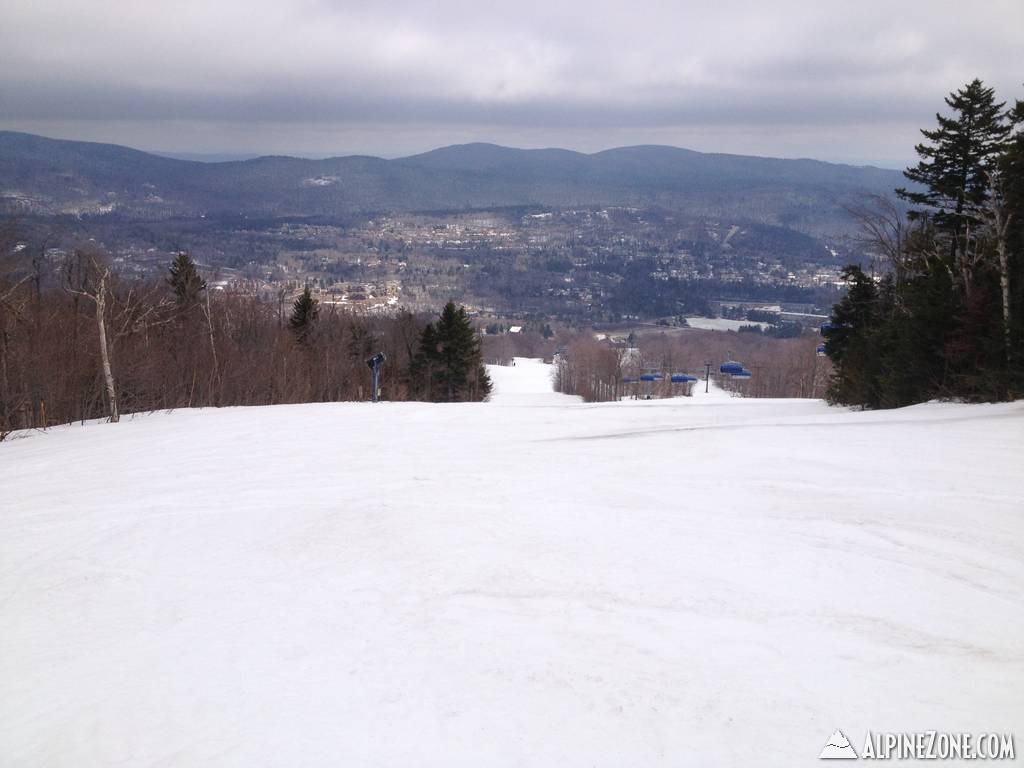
column 533, row 581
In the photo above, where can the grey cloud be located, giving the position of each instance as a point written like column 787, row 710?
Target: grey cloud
column 571, row 74
column 697, row 106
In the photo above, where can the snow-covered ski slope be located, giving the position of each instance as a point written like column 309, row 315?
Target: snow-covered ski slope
column 527, row 582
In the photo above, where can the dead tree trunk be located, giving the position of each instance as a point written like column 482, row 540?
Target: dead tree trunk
column 95, row 288
column 101, row 324
column 213, row 351
column 999, row 220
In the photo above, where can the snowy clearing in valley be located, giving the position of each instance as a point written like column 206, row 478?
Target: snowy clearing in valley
column 531, row 581
column 720, row 324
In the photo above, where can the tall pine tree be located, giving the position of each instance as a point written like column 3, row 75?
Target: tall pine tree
column 849, row 341
column 955, row 172
column 185, row 281
column 303, row 317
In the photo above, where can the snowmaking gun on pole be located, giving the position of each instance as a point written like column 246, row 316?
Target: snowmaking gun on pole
column 375, row 363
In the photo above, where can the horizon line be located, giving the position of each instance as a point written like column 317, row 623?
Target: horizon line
column 230, row 157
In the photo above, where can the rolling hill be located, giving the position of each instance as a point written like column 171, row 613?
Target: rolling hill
column 47, row 176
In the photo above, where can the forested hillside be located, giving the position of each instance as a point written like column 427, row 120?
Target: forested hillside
column 48, row 176
column 945, row 315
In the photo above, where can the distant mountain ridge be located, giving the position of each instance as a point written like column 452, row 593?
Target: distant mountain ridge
column 50, row 176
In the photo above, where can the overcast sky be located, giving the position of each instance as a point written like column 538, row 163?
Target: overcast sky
column 845, row 81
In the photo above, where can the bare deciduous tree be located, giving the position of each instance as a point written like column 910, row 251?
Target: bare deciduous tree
column 998, row 217
column 885, row 229
column 92, row 283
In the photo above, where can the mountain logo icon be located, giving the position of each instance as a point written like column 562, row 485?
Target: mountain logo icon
column 838, row 748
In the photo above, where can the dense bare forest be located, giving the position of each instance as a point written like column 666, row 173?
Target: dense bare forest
column 598, row 370
column 77, row 341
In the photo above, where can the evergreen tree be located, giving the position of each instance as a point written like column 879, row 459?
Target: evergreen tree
column 304, row 314
column 449, row 365
column 185, row 347
column 424, row 363
column 966, row 172
column 849, row 341
column 185, row 281
column 914, row 323
column 955, row 169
